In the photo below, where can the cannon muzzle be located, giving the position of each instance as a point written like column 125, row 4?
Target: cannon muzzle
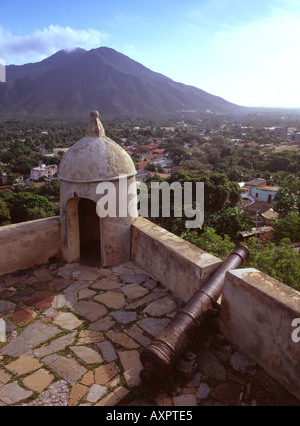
column 161, row 355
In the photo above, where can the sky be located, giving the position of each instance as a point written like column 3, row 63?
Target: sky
column 246, row 51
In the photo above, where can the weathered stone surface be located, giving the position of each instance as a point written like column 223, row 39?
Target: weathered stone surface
column 107, row 351
column 87, row 337
column 42, row 274
column 113, row 398
column 138, row 278
column 57, row 395
column 86, row 293
column 89, row 275
column 153, row 326
column 210, row 365
column 96, row 392
column 23, row 316
column 39, row 380
column 12, row 393
column 40, row 300
column 6, row 308
column 122, row 339
column 33, row 335
column 161, row 307
column 25, row 364
column 55, row 346
column 111, row 300
column 107, row 284
column 124, row 317
column 67, row 368
column 4, row 378
column 88, row 355
column 163, row 401
column 145, row 300
column 88, row 379
column 228, row 392
column 102, row 324
column 137, row 334
column 68, row 321
column 132, row 366
column 92, row 311
column 241, row 363
column 105, row 373
column 185, row 400
column 134, row 291
column 203, row 391
column 77, row 393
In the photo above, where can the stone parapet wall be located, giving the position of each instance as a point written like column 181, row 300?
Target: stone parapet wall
column 177, row 264
column 27, row 244
column 257, row 313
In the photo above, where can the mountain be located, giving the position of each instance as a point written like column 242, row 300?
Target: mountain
column 71, row 84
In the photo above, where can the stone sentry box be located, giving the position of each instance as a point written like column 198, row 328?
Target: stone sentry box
column 86, row 236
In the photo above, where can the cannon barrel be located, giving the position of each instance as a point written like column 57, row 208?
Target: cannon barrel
column 161, row 355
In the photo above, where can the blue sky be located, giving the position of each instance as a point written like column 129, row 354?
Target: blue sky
column 246, row 51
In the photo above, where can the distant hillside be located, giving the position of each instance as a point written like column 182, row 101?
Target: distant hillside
column 74, row 83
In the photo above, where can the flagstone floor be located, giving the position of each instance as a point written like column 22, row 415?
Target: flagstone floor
column 74, row 333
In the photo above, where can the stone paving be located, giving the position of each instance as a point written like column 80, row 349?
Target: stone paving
column 73, row 335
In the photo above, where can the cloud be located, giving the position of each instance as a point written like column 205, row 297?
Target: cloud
column 45, row 42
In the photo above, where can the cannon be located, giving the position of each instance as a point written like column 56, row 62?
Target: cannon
column 162, row 354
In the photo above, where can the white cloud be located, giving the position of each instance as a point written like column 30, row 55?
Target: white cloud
column 45, row 42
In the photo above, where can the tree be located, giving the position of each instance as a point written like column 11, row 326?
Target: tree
column 288, row 227
column 5, row 218
column 286, row 202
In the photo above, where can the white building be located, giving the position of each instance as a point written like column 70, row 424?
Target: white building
column 43, row 171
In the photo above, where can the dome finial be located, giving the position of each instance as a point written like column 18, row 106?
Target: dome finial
column 95, row 128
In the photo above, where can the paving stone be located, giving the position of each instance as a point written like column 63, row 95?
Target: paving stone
column 65, row 300
column 113, row 398
column 3, row 331
column 164, row 401
column 134, row 291
column 150, row 284
column 107, row 351
column 137, row 334
column 4, row 378
column 89, row 275
column 87, row 337
column 107, row 284
column 89, row 356
column 161, row 307
column 23, row 316
column 195, row 382
column 145, row 300
column 12, row 393
column 111, row 300
column 124, row 317
column 187, row 400
column 19, row 296
column 121, row 339
column 140, row 278
column 153, row 326
column 209, row 364
column 203, row 391
column 59, row 284
column 33, row 335
column 96, row 392
column 68, row 321
column 86, row 293
column 92, row 311
column 102, row 324
column 39, row 380
column 78, row 392
column 105, row 373
column 88, row 379
column 136, row 269
column 42, row 274
column 55, row 346
column 68, row 368
column 6, row 308
column 241, row 363
column 49, row 314
column 40, row 300
column 58, row 394
column 228, row 392
column 25, row 364
column 132, row 366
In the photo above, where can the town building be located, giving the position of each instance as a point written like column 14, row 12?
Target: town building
column 43, row 171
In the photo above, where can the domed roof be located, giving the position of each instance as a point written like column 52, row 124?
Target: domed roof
column 95, row 158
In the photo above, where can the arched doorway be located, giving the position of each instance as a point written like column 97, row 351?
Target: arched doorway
column 89, row 233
